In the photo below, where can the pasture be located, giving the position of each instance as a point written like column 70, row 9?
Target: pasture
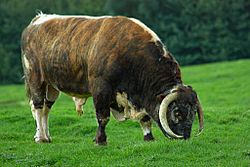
column 224, row 91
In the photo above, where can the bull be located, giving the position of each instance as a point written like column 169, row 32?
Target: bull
column 118, row 61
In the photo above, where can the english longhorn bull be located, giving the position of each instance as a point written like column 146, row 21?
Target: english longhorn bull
column 117, row 60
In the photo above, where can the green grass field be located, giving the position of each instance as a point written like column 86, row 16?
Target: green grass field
column 224, row 90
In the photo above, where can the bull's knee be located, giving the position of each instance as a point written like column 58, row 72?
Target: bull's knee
column 146, row 124
column 103, row 121
column 38, row 103
column 49, row 104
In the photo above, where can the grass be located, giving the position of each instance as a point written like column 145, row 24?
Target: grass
column 224, row 90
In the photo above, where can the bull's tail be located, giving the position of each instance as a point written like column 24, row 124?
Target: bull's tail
column 28, row 94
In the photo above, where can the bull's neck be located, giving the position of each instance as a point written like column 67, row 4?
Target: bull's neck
column 145, row 89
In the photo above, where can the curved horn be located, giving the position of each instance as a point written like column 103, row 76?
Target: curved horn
column 163, row 112
column 201, row 118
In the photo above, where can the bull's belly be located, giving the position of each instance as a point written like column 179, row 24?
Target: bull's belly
column 73, row 89
column 77, row 91
column 69, row 85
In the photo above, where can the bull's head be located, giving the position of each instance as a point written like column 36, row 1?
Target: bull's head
column 177, row 112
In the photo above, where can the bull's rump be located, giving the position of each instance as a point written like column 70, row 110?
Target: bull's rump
column 66, row 52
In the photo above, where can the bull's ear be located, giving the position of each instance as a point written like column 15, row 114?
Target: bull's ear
column 160, row 97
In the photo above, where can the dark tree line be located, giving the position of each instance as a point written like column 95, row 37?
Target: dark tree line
column 195, row 31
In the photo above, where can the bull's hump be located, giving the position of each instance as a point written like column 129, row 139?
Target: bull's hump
column 147, row 29
column 154, row 37
column 42, row 18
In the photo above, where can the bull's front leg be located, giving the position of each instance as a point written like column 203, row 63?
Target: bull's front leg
column 103, row 119
column 102, row 115
column 102, row 101
column 146, row 124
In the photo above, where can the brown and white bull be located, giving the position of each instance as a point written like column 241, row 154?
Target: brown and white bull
column 117, row 60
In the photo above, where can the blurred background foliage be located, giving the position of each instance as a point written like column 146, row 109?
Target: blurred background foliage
column 195, row 31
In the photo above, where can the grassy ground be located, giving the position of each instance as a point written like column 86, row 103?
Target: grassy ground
column 224, row 90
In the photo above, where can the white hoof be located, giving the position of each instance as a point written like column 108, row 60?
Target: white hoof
column 42, row 140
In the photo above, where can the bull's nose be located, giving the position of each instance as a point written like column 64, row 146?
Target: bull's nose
column 187, row 132
column 185, row 137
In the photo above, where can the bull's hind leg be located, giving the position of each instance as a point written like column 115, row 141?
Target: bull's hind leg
column 42, row 99
column 146, row 124
column 79, row 102
column 37, row 94
column 50, row 98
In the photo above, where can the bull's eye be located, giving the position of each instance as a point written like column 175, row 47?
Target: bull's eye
column 178, row 116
